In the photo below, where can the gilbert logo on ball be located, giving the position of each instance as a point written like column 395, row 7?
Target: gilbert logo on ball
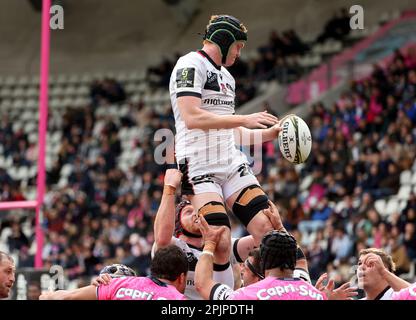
column 295, row 140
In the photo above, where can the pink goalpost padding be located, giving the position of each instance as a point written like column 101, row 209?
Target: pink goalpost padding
column 43, row 124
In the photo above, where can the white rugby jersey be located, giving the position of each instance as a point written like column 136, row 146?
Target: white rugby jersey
column 196, row 74
column 222, row 274
column 386, row 294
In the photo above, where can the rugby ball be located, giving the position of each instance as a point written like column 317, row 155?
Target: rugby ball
column 295, row 139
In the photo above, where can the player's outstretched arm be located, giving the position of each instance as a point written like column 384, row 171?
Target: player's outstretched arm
column 84, row 293
column 197, row 118
column 164, row 224
column 204, row 282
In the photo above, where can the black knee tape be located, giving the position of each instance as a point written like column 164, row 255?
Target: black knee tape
column 249, row 202
column 215, row 214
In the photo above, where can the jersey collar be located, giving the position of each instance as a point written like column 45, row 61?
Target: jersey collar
column 381, row 294
column 203, row 53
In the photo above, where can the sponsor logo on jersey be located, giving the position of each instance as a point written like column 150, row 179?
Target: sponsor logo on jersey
column 301, row 291
column 135, row 294
column 185, row 77
column 218, row 102
column 212, row 81
column 223, row 88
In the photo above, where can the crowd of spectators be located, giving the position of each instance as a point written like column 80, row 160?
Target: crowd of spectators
column 362, row 144
column 278, row 59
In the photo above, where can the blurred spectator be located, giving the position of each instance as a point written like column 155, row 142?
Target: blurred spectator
column 33, row 291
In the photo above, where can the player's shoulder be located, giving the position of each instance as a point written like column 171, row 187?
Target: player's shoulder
column 192, row 58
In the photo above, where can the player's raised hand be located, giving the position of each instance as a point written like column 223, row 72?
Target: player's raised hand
column 272, row 213
column 102, row 279
column 173, row 178
column 320, row 282
column 260, row 120
column 344, row 292
column 372, row 260
column 210, row 233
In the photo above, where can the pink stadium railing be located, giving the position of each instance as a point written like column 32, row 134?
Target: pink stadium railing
column 43, row 122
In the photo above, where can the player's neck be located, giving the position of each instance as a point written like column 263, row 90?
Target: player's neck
column 196, row 242
column 373, row 292
column 278, row 273
column 213, row 52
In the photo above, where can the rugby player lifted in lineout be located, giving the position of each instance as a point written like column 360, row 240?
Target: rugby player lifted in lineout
column 214, row 171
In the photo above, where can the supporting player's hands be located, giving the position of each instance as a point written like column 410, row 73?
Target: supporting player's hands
column 210, row 233
column 260, row 120
column 173, row 178
column 102, row 279
column 48, row 295
column 272, row 213
column 344, row 292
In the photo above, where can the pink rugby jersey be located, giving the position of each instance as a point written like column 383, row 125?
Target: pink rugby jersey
column 408, row 293
column 272, row 288
column 138, row 288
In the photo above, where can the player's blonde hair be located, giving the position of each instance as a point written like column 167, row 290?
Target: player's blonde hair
column 386, row 258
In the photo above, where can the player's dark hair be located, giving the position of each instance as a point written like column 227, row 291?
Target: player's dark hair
column 256, row 263
column 278, row 250
column 169, row 263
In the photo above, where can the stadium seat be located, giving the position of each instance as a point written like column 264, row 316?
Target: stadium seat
column 395, row 14
column 57, row 91
column 63, row 182
column 86, row 79
column 61, row 79
column 70, row 91
column 402, row 205
column 6, row 92
column 32, row 92
column 406, row 177
column 18, row 93
column 66, row 170
column 12, row 171
column 10, row 81
column 17, row 125
column 331, row 47
column 391, row 207
column 34, row 81
column 33, row 171
column 23, row 81
column 82, row 91
column 22, row 173
column 30, row 127
column 384, row 17
column 380, row 205
column 404, row 192
column 74, row 79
